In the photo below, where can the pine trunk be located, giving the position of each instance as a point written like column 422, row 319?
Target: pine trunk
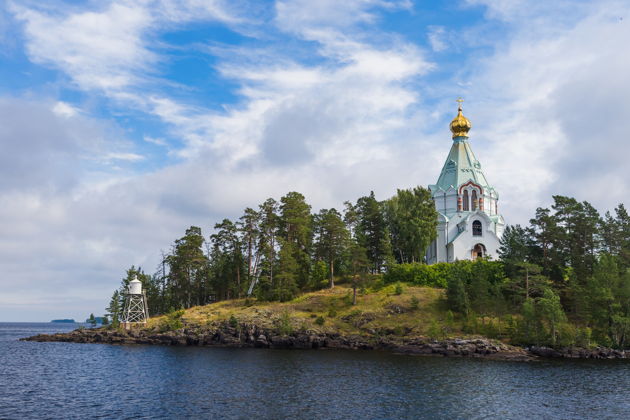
column 332, row 280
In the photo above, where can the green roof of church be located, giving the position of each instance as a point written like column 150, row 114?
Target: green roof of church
column 460, row 167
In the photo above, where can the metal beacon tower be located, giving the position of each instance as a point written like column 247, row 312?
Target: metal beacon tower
column 136, row 310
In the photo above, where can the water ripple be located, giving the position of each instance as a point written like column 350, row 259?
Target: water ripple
column 78, row 381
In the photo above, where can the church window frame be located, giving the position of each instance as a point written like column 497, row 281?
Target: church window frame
column 466, row 201
column 473, row 199
column 477, row 228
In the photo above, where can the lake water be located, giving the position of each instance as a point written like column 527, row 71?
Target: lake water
column 67, row 380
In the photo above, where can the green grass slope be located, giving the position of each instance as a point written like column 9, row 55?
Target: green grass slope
column 404, row 310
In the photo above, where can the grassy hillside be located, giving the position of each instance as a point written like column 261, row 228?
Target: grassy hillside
column 401, row 310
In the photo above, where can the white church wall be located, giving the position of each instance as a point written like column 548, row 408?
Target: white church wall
column 478, row 203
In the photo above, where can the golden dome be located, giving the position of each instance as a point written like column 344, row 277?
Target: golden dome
column 460, row 124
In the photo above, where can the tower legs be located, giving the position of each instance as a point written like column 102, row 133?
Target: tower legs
column 135, row 310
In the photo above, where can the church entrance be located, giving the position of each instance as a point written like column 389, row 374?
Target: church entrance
column 478, row 251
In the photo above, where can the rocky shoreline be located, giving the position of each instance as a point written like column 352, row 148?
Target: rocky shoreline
column 252, row 336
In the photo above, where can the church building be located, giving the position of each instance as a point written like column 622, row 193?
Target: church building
column 469, row 223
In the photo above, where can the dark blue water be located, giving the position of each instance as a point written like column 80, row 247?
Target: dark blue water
column 67, row 380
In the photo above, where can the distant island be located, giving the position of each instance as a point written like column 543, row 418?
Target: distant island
column 63, row 321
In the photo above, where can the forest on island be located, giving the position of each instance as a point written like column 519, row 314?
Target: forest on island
column 281, row 249
column 563, row 280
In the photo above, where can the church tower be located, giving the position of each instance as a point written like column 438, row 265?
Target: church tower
column 469, row 223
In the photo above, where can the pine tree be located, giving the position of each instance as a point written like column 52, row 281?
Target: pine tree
column 529, row 325
column 249, row 228
column 228, row 260
column 456, row 295
column 114, row 310
column 359, row 268
column 331, row 239
column 92, row 320
column 372, row 232
column 285, row 287
column 527, row 281
column 187, row 267
column 516, row 248
column 412, row 220
column 552, row 313
column 548, row 240
column 296, row 229
column 268, row 242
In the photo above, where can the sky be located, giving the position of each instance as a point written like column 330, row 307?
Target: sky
column 122, row 123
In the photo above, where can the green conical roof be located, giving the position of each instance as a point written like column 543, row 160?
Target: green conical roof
column 460, row 167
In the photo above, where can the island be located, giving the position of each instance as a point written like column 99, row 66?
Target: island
column 399, row 318
column 427, row 271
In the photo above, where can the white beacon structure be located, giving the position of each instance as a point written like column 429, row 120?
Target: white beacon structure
column 136, row 310
column 135, row 287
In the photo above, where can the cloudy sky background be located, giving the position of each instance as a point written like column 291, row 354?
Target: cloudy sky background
column 124, row 122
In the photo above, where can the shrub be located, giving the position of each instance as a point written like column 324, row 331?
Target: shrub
column 456, row 296
column 418, row 274
column 437, row 275
column 320, row 320
column 377, row 284
column 319, row 275
column 471, row 326
column 490, row 329
column 450, row 321
column 284, row 323
column 172, row 321
column 435, row 332
column 566, row 335
column 583, row 338
column 233, row 321
column 398, row 289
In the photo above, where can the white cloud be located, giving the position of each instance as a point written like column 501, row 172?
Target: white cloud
column 296, row 15
column 549, row 112
column 298, row 127
column 158, row 141
column 436, row 37
column 547, row 106
column 50, row 147
column 110, row 49
column 64, row 109
column 131, row 157
column 98, row 50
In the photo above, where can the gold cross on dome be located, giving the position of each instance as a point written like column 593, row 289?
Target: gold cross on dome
column 459, row 101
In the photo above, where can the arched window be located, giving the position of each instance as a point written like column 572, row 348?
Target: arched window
column 476, row 228
column 466, row 203
column 474, row 200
